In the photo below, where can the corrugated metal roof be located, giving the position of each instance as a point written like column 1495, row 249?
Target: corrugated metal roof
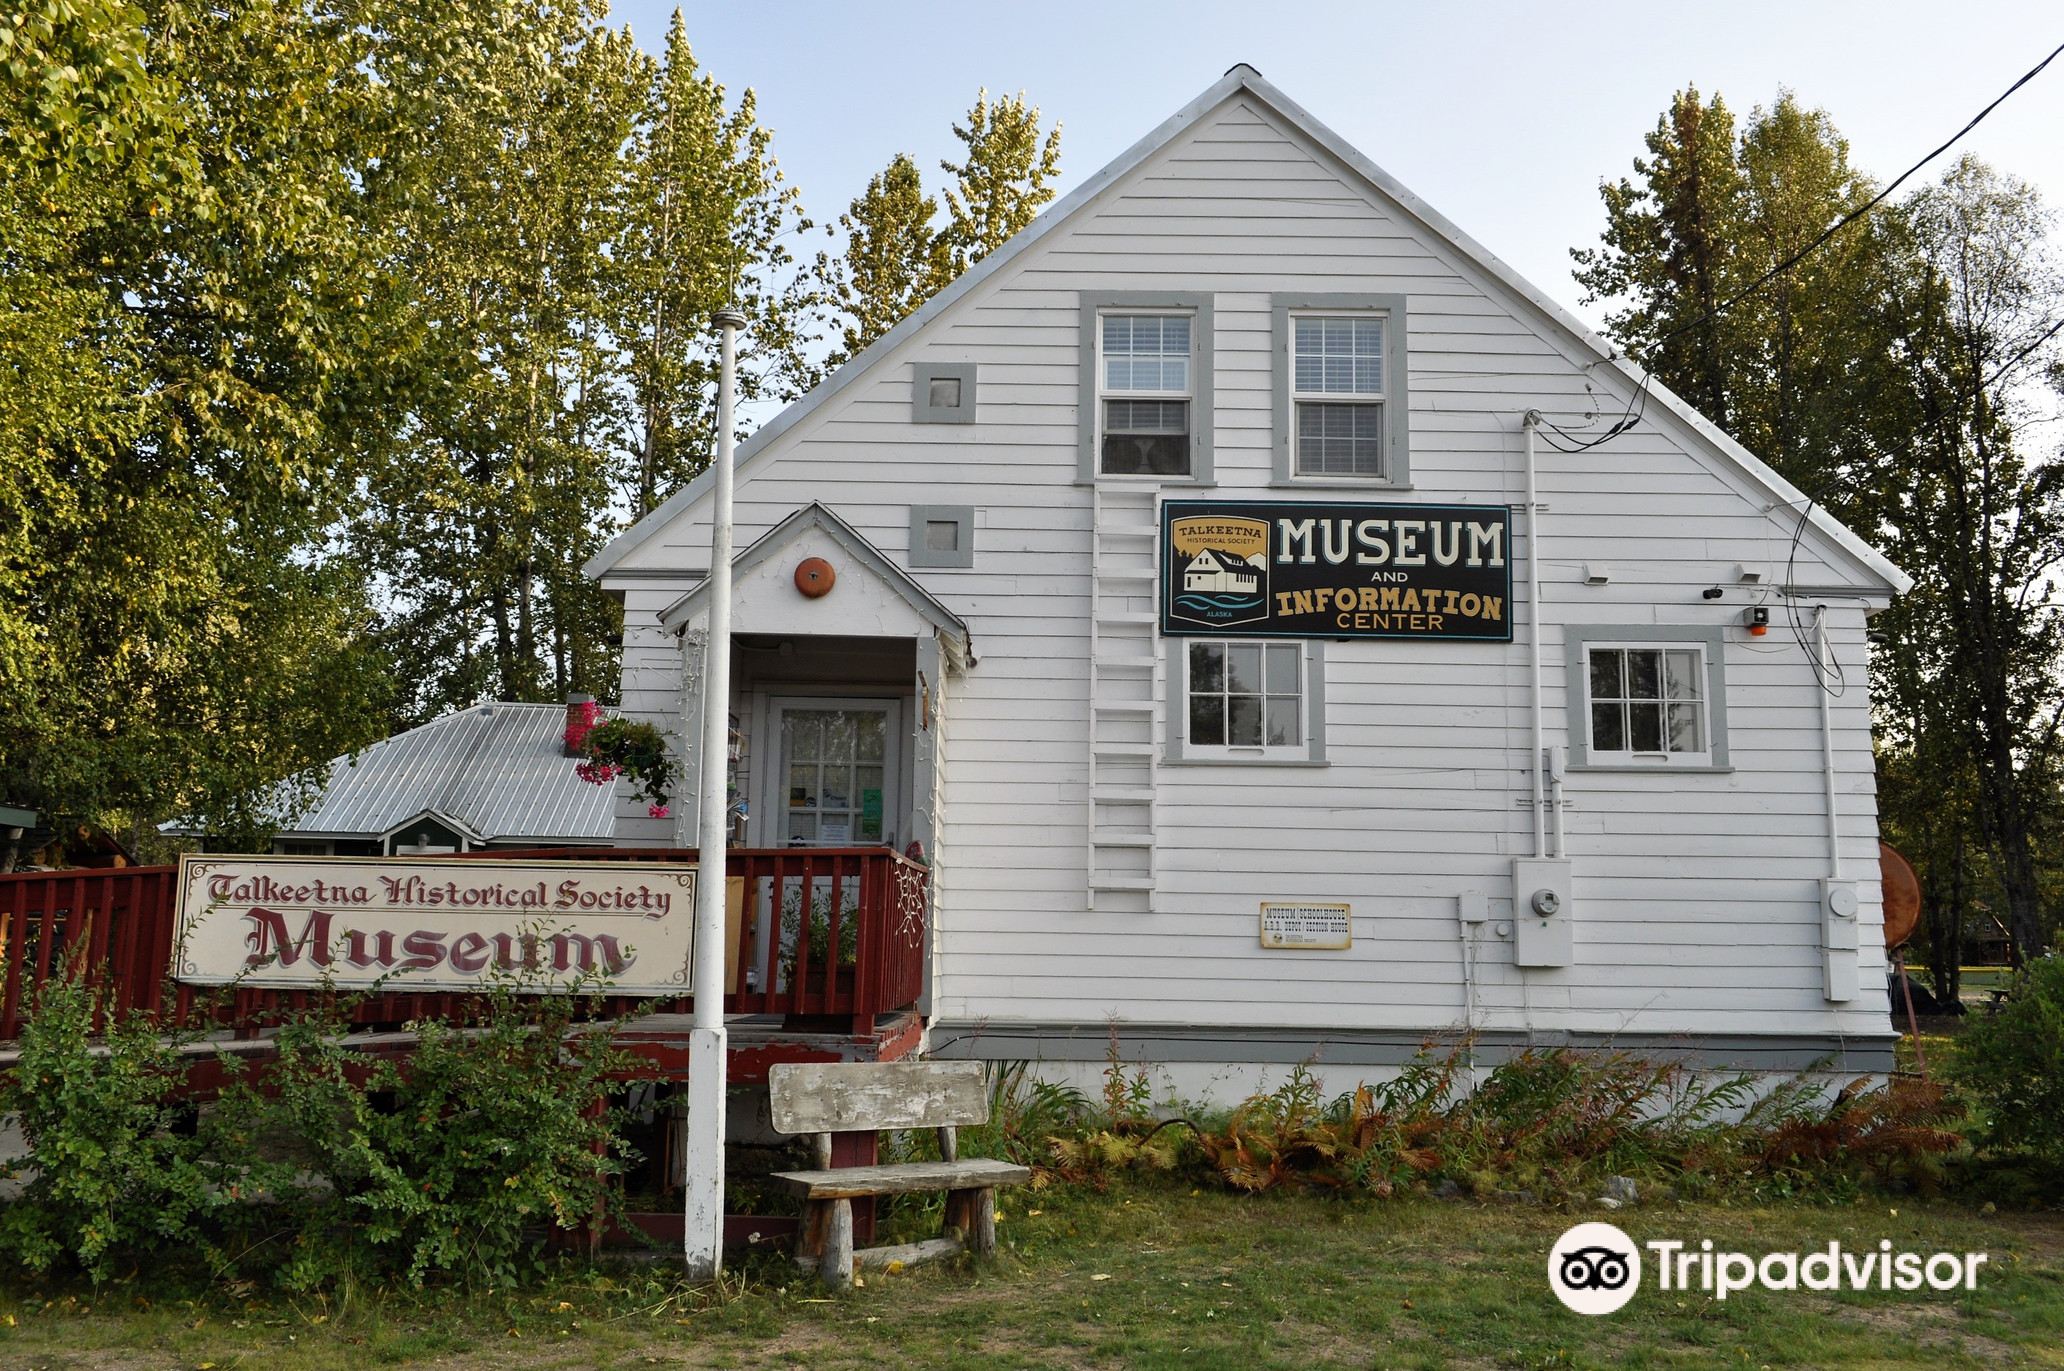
column 498, row 768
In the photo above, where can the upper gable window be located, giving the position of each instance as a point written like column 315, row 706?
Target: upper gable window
column 1145, row 372
column 1337, row 394
column 1341, row 412
column 1145, row 407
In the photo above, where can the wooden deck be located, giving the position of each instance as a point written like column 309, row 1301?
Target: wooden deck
column 833, row 938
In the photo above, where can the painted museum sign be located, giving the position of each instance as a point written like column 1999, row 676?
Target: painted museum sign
column 1328, row 569
column 406, row 924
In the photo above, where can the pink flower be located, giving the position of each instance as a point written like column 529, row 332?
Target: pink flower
column 597, row 773
column 657, row 811
column 588, row 717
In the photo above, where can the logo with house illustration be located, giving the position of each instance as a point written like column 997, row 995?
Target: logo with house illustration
column 1218, row 571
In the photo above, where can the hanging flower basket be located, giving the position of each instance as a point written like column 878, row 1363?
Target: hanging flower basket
column 628, row 748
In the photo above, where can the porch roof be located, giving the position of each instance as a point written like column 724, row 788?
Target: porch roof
column 866, row 558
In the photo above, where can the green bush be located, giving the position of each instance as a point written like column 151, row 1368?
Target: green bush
column 2012, row 1061
column 455, row 1160
column 1556, row 1123
column 118, row 1175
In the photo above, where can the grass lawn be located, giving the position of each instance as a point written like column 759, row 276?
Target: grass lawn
column 1150, row 1277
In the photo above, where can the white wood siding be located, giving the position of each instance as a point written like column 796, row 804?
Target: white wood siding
column 1695, row 895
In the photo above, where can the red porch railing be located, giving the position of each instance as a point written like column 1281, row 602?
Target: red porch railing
column 827, row 933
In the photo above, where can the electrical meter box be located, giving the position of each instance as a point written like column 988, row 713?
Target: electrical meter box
column 1839, row 906
column 1541, row 912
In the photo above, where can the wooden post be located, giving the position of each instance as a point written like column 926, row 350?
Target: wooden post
column 960, row 1214
column 858, row 1148
column 816, row 1228
column 837, row 1265
column 981, row 1240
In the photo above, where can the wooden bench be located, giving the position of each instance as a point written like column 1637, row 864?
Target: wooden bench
column 821, row 1098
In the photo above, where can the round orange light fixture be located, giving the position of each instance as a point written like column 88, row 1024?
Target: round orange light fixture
column 814, row 577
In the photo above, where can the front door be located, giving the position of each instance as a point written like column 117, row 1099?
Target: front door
column 835, row 773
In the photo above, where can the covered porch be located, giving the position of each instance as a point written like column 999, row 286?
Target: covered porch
column 840, row 669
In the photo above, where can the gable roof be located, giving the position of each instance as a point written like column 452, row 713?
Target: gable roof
column 815, row 516
column 1245, row 78
column 1224, row 561
column 493, row 772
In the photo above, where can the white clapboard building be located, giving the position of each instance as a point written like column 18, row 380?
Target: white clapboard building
column 1491, row 742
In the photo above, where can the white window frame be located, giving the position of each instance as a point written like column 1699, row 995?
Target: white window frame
column 1708, row 643
column 769, row 819
column 1378, row 399
column 1187, row 396
column 1094, row 307
column 1396, row 435
column 1309, row 750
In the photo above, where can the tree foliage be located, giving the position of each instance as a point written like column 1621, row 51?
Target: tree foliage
column 895, row 257
column 186, row 300
column 1892, row 376
column 1005, row 176
column 340, row 334
column 707, row 216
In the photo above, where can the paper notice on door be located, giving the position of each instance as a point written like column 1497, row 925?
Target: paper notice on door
column 835, row 832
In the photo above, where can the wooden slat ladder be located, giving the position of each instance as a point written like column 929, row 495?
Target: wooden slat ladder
column 822, row 1098
column 1124, row 686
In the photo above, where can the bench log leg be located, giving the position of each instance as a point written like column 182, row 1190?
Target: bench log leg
column 836, row 1266
column 809, row 1244
column 972, row 1213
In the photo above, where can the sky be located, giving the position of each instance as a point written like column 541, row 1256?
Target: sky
column 1502, row 116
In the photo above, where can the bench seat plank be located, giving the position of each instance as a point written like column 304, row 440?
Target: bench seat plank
column 853, row 1182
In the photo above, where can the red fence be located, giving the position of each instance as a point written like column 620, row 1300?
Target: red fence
column 826, row 933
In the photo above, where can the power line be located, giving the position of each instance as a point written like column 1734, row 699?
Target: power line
column 1846, row 220
column 1632, row 415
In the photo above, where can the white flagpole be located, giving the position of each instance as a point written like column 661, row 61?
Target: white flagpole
column 703, row 1212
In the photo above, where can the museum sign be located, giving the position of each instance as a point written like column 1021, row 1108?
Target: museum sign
column 1325, row 569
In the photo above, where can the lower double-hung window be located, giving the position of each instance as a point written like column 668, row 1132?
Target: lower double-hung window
column 1648, row 702
column 1245, row 699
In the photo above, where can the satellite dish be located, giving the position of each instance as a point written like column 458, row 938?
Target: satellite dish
column 1902, row 896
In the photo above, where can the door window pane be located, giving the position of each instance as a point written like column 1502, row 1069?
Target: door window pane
column 837, row 767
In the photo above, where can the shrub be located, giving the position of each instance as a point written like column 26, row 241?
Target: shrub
column 458, row 1159
column 2013, row 1062
column 118, row 1174
column 1890, row 1134
column 1557, row 1121
column 1122, row 1135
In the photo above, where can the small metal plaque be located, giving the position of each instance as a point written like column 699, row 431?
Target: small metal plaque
column 1306, row 927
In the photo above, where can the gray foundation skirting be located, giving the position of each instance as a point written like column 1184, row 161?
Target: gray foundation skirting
column 1170, row 1044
